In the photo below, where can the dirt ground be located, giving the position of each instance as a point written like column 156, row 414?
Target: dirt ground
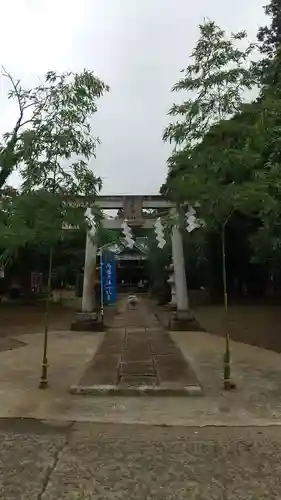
column 255, row 325
column 20, row 319
column 258, row 325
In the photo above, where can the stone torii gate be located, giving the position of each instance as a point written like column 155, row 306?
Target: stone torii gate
column 132, row 207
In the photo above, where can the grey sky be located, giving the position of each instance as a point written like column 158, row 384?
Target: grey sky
column 137, row 47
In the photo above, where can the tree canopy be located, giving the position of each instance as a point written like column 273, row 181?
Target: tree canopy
column 225, row 129
column 211, row 137
column 51, row 146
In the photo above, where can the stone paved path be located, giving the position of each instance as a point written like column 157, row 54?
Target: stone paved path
column 137, row 353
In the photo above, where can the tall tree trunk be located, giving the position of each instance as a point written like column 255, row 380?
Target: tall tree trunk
column 44, row 375
column 226, row 371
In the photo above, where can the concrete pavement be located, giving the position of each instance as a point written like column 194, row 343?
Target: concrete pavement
column 257, row 372
column 56, row 446
column 39, row 461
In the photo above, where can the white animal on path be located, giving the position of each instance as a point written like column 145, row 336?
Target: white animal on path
column 132, row 300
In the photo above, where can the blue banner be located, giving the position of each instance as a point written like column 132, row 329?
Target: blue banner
column 109, row 278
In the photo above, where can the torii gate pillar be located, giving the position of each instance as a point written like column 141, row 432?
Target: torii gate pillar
column 88, row 297
column 182, row 319
column 179, row 270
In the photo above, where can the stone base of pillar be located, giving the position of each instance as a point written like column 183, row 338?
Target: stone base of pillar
column 170, row 306
column 184, row 321
column 87, row 322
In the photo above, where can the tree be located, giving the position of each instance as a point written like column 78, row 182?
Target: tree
column 216, row 81
column 51, row 146
column 54, row 151
column 212, row 154
column 270, row 36
column 267, row 241
column 157, row 262
column 270, row 44
column 46, row 218
column 68, row 95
